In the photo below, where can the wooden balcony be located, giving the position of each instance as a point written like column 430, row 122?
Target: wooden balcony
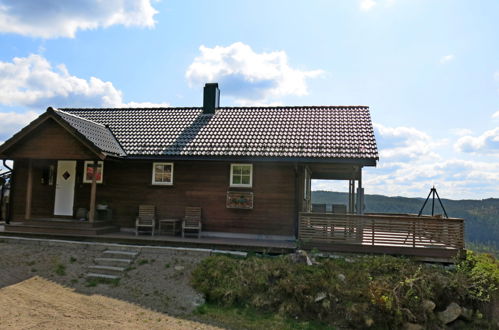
column 424, row 236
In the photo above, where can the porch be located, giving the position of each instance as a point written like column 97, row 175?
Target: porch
column 411, row 235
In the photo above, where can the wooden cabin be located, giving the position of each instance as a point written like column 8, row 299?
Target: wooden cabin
column 248, row 168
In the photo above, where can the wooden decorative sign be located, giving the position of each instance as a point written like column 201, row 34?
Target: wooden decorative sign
column 239, row 200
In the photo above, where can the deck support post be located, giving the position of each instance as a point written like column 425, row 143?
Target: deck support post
column 93, row 191
column 351, row 196
column 29, row 190
column 360, row 195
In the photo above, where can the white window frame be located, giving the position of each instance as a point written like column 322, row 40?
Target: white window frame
column 241, row 185
column 85, row 167
column 154, row 182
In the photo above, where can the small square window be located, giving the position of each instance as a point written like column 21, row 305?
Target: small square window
column 241, row 175
column 88, row 171
column 162, row 173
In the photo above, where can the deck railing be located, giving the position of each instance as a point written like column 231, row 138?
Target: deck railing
column 382, row 230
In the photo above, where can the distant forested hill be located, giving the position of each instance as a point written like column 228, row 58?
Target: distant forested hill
column 481, row 216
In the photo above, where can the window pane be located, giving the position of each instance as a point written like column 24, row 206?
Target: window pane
column 236, row 179
column 157, row 177
column 167, row 177
column 245, row 170
column 245, row 179
column 158, row 168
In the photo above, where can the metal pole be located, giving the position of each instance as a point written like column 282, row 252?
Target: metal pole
column 422, row 208
column 433, row 201
column 442, row 205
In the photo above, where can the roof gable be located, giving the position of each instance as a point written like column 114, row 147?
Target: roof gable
column 54, row 131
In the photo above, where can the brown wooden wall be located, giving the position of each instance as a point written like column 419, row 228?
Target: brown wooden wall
column 128, row 184
column 49, row 141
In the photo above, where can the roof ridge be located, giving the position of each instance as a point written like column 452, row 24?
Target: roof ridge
column 76, row 116
column 228, row 107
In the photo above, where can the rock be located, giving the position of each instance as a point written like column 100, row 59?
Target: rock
column 428, row 305
column 198, row 300
column 369, row 322
column 320, row 296
column 341, row 277
column 179, row 268
column 451, row 313
column 413, row 326
column 466, row 314
column 301, row 257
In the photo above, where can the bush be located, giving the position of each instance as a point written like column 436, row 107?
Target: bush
column 378, row 291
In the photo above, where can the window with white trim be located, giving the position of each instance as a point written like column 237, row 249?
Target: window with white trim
column 241, row 175
column 162, row 174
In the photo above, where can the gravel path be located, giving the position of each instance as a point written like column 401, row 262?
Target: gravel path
column 157, row 280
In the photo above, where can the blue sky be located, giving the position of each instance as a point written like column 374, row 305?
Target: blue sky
column 428, row 69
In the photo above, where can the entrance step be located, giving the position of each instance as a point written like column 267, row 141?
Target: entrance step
column 117, row 262
column 112, row 264
column 120, row 254
column 106, row 270
column 59, row 229
column 101, row 276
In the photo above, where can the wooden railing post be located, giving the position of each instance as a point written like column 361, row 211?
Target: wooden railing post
column 413, row 233
column 373, row 231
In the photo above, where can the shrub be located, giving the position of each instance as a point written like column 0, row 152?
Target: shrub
column 380, row 290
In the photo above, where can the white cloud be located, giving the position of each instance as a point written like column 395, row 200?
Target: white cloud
column 33, row 82
column 405, row 143
column 487, row 143
column 145, row 105
column 247, row 75
column 446, row 58
column 367, row 5
column 454, row 178
column 50, row 19
column 411, row 162
column 11, row 122
column 495, row 115
column 461, row 131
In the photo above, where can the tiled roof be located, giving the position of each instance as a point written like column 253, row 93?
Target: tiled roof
column 322, row 132
column 97, row 133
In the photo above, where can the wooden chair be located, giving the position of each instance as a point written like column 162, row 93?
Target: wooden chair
column 339, row 208
column 319, row 208
column 146, row 218
column 192, row 220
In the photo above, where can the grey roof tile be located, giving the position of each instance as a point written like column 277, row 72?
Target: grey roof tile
column 329, row 132
column 97, row 133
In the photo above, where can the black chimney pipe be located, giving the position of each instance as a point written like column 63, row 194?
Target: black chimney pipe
column 211, row 98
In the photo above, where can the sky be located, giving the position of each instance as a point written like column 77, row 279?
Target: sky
column 428, row 70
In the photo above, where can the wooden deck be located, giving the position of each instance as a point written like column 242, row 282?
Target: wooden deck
column 428, row 238
column 383, row 233
column 226, row 243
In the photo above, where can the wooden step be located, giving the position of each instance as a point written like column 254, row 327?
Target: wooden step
column 23, row 228
column 65, row 223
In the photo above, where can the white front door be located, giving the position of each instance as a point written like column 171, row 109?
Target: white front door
column 65, row 187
